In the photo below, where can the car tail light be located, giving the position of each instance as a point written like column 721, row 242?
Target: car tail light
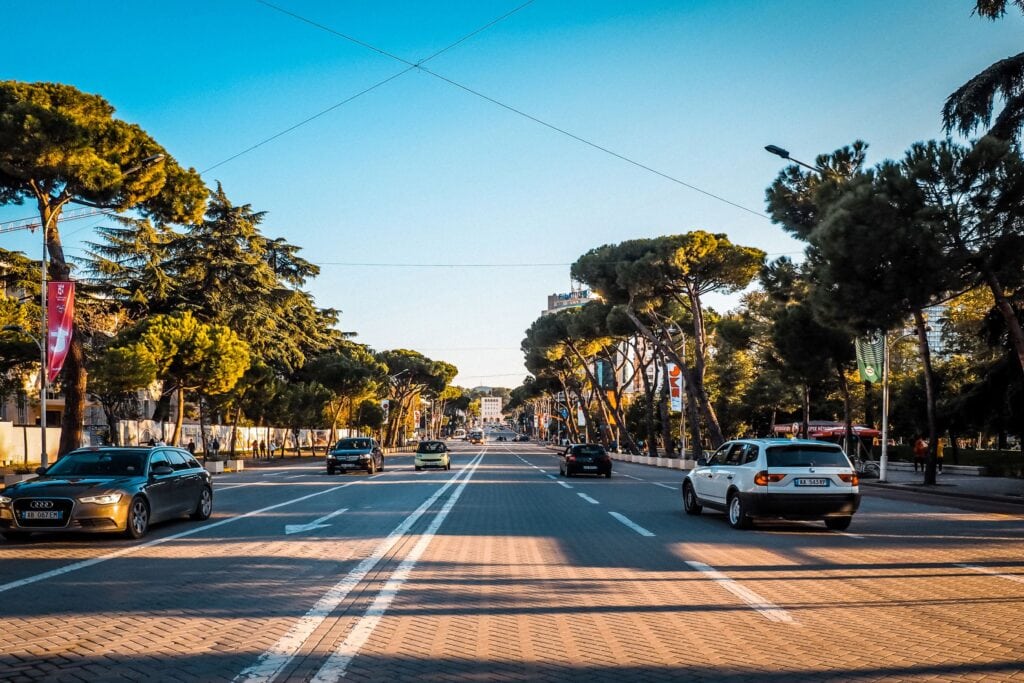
column 850, row 478
column 570, row 458
column 763, row 478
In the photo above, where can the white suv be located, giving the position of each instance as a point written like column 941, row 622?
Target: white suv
column 792, row 479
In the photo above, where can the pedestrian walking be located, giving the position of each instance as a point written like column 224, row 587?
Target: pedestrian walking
column 191, row 446
column 255, row 448
column 215, row 448
column 939, row 448
column 263, row 448
column 920, row 452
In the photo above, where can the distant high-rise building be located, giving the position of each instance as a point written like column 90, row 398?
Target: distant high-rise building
column 571, row 299
column 490, row 409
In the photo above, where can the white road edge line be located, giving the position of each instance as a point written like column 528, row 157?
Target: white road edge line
column 296, row 476
column 337, row 664
column 631, row 524
column 992, row 572
column 768, row 610
column 277, row 657
column 587, row 498
column 158, row 541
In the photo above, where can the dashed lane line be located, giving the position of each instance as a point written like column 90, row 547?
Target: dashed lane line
column 280, row 654
column 767, row 609
column 664, row 486
column 631, row 524
column 587, row 498
column 992, row 572
column 563, row 484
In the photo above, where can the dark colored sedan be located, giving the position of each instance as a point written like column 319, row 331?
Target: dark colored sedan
column 108, row 489
column 585, row 458
column 360, row 453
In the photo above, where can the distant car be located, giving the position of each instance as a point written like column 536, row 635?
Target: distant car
column 476, row 437
column 358, row 453
column 432, row 454
column 781, row 478
column 108, row 489
column 522, row 437
column 585, row 458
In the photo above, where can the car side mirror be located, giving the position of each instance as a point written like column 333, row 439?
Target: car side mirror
column 702, row 461
column 40, row 470
column 162, row 470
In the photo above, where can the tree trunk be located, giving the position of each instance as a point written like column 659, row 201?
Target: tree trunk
column 806, row 424
column 651, row 431
column 954, row 447
column 179, row 418
column 844, row 388
column 665, row 414
column 929, row 389
column 202, row 427
column 1006, row 310
column 696, row 390
column 610, row 410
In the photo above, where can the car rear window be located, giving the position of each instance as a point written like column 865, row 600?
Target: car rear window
column 98, row 463
column 802, row 455
column 587, row 450
column 352, row 444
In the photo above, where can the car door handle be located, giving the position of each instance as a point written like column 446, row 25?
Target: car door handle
column 729, row 477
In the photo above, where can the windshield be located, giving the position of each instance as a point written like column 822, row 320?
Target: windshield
column 353, row 445
column 803, row 455
column 99, row 463
column 431, row 447
column 587, row 450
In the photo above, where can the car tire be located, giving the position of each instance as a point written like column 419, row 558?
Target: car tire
column 448, row 466
column 330, row 471
column 838, row 523
column 691, row 504
column 204, row 508
column 16, row 536
column 138, row 518
column 418, row 468
column 371, row 469
column 608, row 474
column 568, row 472
column 736, row 511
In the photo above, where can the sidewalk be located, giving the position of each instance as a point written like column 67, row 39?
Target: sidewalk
column 1003, row 489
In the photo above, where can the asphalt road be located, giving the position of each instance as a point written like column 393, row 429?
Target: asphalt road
column 500, row 570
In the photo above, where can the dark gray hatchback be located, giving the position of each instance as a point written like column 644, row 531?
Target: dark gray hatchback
column 108, row 490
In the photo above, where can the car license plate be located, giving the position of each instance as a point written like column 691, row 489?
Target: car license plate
column 41, row 514
column 346, row 464
column 811, row 482
column 590, row 467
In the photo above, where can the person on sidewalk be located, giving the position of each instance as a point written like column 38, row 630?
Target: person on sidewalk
column 263, row 449
column 920, row 453
column 939, row 448
column 215, row 449
column 191, row 447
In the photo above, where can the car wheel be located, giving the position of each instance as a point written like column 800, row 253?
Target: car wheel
column 138, row 518
column 380, row 468
column 690, row 502
column 330, row 471
column 568, row 472
column 418, row 468
column 737, row 512
column 838, row 523
column 448, row 466
column 16, row 536
column 371, row 468
column 608, row 474
column 205, row 506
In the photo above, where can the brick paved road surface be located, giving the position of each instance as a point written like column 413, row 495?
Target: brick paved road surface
column 500, row 570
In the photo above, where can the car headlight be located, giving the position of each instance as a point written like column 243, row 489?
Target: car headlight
column 105, row 499
column 4, row 500
column 330, row 456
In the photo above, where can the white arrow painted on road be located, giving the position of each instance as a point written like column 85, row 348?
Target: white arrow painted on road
column 315, row 524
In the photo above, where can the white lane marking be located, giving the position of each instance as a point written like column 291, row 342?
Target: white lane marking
column 315, row 524
column 587, row 498
column 631, row 524
column 992, row 572
column 664, row 486
column 563, row 484
column 816, row 526
column 550, row 476
column 277, row 657
column 337, row 664
column 273, row 474
column 158, row 541
column 295, row 476
column 632, row 477
column 768, row 610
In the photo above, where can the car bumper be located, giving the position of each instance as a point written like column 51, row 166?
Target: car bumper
column 800, row 506
column 430, row 463
column 600, row 470
column 84, row 518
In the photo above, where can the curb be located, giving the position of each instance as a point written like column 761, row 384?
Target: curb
column 927, row 491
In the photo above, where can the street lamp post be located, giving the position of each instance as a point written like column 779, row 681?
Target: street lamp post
column 883, row 462
column 42, row 382
column 779, row 152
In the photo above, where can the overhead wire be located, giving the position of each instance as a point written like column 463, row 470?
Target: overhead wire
column 411, row 67
column 508, row 107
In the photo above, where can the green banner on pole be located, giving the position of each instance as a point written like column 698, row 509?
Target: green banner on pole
column 870, row 352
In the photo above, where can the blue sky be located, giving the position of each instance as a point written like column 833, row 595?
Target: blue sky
column 420, row 172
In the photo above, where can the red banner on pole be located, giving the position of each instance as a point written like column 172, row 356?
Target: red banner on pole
column 60, row 316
